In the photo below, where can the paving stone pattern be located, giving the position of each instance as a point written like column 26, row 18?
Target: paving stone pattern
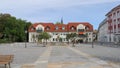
column 35, row 56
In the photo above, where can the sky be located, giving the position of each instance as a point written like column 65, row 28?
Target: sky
column 92, row 11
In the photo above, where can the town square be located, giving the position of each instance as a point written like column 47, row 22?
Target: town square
column 60, row 34
column 65, row 56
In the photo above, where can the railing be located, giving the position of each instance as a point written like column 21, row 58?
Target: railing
column 39, row 31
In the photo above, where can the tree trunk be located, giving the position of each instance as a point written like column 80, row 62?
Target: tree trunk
column 46, row 41
column 73, row 44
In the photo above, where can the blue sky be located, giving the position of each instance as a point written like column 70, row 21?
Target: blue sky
column 92, row 11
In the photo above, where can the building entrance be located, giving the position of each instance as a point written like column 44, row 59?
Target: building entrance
column 80, row 41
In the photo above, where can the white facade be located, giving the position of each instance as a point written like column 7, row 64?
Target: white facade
column 56, row 36
column 103, row 32
column 89, row 37
column 33, row 37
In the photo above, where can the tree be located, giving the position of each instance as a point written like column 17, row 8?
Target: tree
column 68, row 36
column 33, row 36
column 44, row 36
column 13, row 29
column 72, row 37
column 60, row 39
column 59, row 23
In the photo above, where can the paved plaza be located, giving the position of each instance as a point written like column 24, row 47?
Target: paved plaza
column 66, row 56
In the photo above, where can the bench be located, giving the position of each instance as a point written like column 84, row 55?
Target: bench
column 6, row 59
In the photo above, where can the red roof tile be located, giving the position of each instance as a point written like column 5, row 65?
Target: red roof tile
column 75, row 24
column 61, row 27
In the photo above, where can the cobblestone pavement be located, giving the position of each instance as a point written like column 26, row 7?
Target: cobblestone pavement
column 109, row 54
column 53, row 57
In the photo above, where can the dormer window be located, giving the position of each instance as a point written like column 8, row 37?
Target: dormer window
column 56, row 28
column 63, row 28
column 39, row 29
column 47, row 28
column 80, row 30
column 72, row 28
column 32, row 29
column 87, row 28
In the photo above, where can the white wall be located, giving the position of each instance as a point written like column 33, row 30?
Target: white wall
column 103, row 33
column 31, row 39
column 54, row 35
column 40, row 26
column 90, row 36
column 80, row 26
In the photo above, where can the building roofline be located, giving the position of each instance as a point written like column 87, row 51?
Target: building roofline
column 102, row 23
column 117, row 7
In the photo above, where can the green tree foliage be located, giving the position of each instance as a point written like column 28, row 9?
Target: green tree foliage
column 44, row 36
column 72, row 37
column 59, row 23
column 68, row 36
column 12, row 29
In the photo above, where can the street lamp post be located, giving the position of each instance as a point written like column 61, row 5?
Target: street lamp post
column 25, row 38
column 92, row 41
column 92, row 45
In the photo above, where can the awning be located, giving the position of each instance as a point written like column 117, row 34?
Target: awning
column 81, row 32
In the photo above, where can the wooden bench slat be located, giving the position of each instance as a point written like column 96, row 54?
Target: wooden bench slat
column 6, row 59
column 4, row 62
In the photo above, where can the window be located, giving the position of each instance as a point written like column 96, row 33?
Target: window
column 32, row 29
column 89, row 33
column 72, row 28
column 53, row 39
column 80, row 30
column 89, row 39
column 118, row 20
column 56, row 33
column 87, row 27
column 63, row 28
column 114, row 20
column 39, row 29
column 47, row 28
column 56, row 27
column 66, row 39
column 117, row 13
column 114, row 14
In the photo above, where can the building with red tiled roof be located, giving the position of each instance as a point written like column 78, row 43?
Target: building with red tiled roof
column 61, row 30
